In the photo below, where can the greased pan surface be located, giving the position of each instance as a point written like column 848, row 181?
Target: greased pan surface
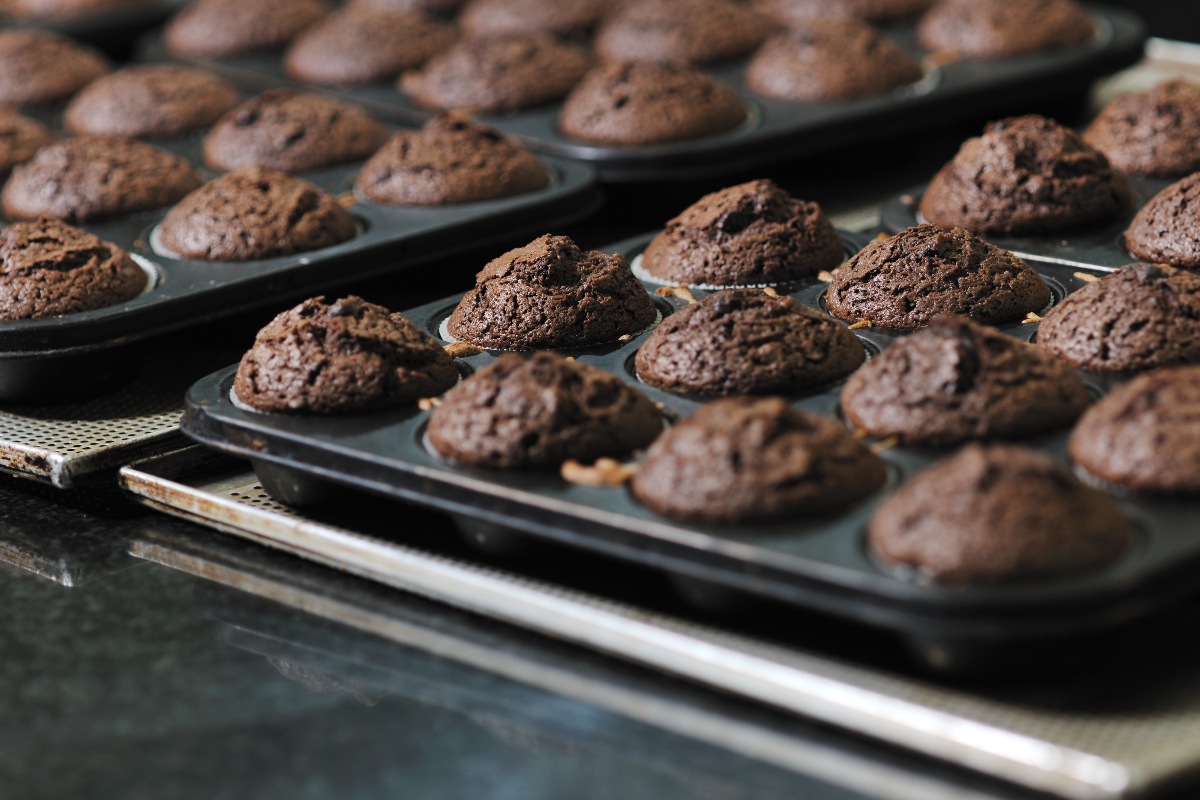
column 776, row 129
column 822, row 564
column 35, row 354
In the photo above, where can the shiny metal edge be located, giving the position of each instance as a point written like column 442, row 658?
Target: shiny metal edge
column 788, row 680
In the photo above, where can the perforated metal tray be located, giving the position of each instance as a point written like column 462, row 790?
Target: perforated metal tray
column 777, row 129
column 1124, row 726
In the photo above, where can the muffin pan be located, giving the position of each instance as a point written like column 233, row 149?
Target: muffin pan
column 775, row 129
column 71, row 355
column 820, row 564
column 110, row 29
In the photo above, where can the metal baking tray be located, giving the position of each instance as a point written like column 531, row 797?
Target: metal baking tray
column 69, row 444
column 818, row 565
column 776, row 129
column 67, row 356
column 1123, row 727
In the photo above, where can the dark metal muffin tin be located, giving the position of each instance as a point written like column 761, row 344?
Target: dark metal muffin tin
column 818, row 563
column 776, row 129
column 110, row 29
column 70, row 355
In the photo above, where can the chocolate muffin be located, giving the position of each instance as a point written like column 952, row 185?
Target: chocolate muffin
column 957, row 380
column 1025, row 175
column 1144, row 316
column 345, row 356
column 549, row 294
column 1167, row 229
column 830, row 60
column 216, row 28
column 802, row 12
column 1001, row 28
column 1155, row 132
column 449, row 160
column 152, row 101
column 48, row 268
column 288, row 130
column 253, row 213
column 500, row 73
column 482, row 18
column 1143, row 435
column 998, row 514
column 752, row 234
column 20, row 138
column 696, row 31
column 640, row 102
column 38, row 67
column 96, row 176
column 358, row 46
column 745, row 341
column 539, row 412
column 906, row 280
column 743, row 459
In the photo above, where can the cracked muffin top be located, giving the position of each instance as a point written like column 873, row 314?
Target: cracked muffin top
column 904, row 281
column 348, row 355
column 551, row 294
column 957, row 380
column 253, row 213
column 539, row 412
column 1025, row 176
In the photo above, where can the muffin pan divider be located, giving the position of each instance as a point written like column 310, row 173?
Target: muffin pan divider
column 819, row 564
column 776, row 129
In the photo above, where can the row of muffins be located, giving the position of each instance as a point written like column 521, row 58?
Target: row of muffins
column 510, row 59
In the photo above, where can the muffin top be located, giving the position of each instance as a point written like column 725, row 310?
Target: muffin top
column 745, row 341
column 1141, row 317
column 152, row 101
column 343, row 356
column 38, row 67
column 49, row 268
column 696, row 31
column 801, row 12
column 482, row 18
column 216, row 28
column 1025, row 175
column 20, row 138
column 957, row 380
column 642, row 102
column 830, row 60
column 358, row 46
column 539, row 412
column 253, row 213
column 906, row 280
column 1155, row 132
column 449, row 160
column 288, row 130
column 998, row 514
column 751, row 234
column 1167, row 229
column 96, row 176
column 550, row 294
column 500, row 73
column 746, row 459
column 1143, row 435
column 1000, row 28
